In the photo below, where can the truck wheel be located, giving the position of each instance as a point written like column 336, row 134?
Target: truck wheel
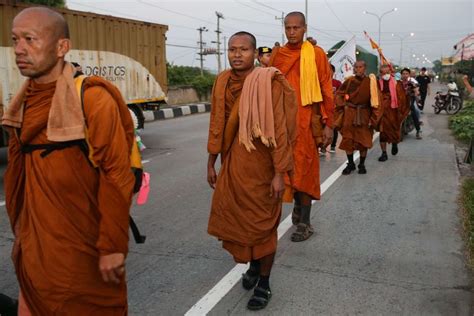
column 137, row 117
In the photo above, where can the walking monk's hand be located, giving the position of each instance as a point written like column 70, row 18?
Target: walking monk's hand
column 211, row 171
column 327, row 136
column 278, row 186
column 16, row 243
column 112, row 267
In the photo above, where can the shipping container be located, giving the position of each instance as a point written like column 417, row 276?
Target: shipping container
column 131, row 54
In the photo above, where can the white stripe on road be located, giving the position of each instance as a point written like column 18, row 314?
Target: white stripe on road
column 208, row 301
column 145, row 161
column 2, row 203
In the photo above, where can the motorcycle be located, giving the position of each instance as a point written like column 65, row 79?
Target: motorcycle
column 451, row 102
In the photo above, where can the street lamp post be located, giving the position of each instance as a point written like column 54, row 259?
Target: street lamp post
column 402, row 38
column 379, row 17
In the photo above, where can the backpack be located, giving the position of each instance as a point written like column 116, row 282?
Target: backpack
column 85, row 146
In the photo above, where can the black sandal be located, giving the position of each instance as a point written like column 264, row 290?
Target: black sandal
column 259, row 299
column 303, row 232
column 249, row 281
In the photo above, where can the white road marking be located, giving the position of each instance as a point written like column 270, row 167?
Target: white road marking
column 2, row 203
column 146, row 161
column 208, row 301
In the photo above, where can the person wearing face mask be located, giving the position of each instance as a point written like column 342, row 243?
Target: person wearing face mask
column 395, row 110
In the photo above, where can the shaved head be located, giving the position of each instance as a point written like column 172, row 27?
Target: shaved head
column 360, row 63
column 297, row 14
column 51, row 20
column 40, row 38
column 251, row 37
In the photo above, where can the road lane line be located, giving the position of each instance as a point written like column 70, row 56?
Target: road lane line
column 145, row 161
column 213, row 297
column 2, row 203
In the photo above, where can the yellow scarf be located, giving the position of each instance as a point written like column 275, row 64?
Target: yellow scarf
column 374, row 91
column 309, row 80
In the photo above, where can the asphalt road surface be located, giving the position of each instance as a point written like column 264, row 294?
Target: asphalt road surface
column 386, row 243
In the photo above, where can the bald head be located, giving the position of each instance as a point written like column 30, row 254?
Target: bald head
column 295, row 27
column 359, row 68
column 52, row 21
column 296, row 14
column 40, row 39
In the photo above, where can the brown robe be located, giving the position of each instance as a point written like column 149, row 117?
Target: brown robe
column 355, row 91
column 391, row 120
column 243, row 215
column 69, row 212
column 310, row 118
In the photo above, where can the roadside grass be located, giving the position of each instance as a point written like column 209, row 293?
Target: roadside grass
column 462, row 123
column 467, row 203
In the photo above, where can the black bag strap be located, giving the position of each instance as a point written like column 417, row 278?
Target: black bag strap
column 139, row 238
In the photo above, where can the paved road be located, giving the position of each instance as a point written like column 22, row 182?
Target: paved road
column 387, row 242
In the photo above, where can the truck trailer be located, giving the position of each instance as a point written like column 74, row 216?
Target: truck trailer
column 131, row 54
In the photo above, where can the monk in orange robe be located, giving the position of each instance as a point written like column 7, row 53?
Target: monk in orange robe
column 395, row 109
column 256, row 153
column 70, row 220
column 314, row 122
column 357, row 115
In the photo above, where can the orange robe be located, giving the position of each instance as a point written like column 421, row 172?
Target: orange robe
column 243, row 215
column 309, row 118
column 356, row 91
column 392, row 119
column 68, row 212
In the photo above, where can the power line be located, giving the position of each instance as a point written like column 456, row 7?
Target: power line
column 246, row 5
column 182, row 46
column 267, row 6
column 249, row 21
column 337, row 17
column 175, row 12
column 131, row 16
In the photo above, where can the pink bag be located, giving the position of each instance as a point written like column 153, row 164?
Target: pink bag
column 142, row 196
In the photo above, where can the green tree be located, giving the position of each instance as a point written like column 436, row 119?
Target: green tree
column 437, row 66
column 49, row 3
column 190, row 76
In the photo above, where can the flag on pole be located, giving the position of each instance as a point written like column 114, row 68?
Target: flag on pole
column 344, row 59
column 374, row 45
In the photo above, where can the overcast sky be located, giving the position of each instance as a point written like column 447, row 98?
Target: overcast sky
column 437, row 25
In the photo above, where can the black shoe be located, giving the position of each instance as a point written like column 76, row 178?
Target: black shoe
column 394, row 149
column 362, row 169
column 259, row 299
column 350, row 167
column 384, row 157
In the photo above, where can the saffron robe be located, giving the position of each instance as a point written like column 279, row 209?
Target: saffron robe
column 310, row 119
column 243, row 215
column 70, row 213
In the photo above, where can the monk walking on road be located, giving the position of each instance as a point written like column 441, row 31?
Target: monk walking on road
column 70, row 220
column 395, row 109
column 307, row 69
column 252, row 128
column 357, row 115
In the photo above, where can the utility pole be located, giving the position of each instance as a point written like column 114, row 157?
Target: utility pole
column 225, row 52
column 218, row 31
column 282, row 27
column 201, row 44
column 306, row 16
